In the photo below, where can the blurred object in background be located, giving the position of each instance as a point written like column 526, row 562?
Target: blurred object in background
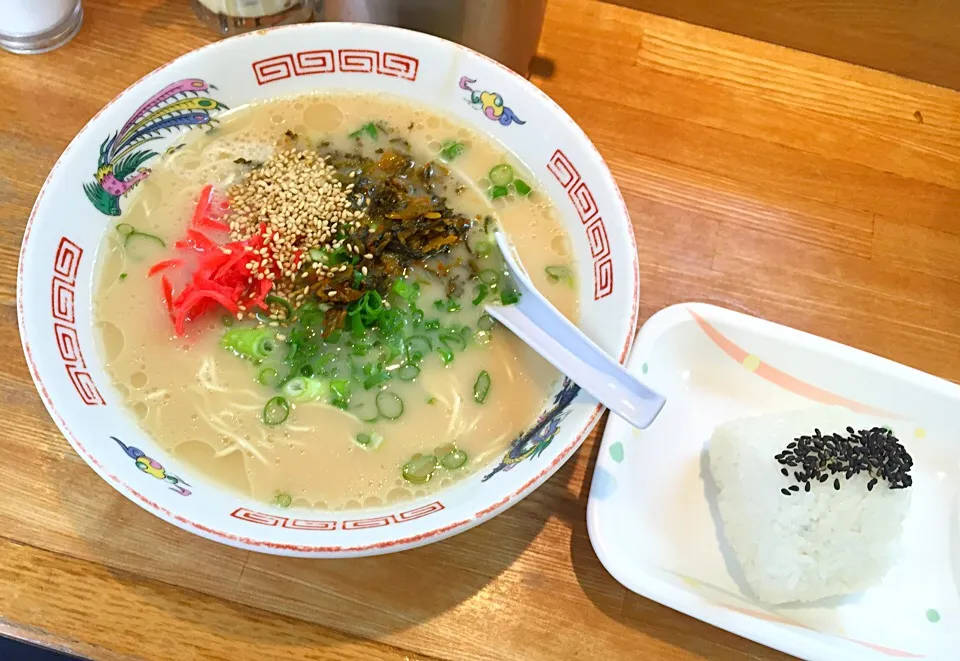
column 506, row 30
column 228, row 17
column 38, row 26
column 912, row 38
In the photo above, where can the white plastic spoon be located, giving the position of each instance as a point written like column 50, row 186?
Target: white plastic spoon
column 535, row 321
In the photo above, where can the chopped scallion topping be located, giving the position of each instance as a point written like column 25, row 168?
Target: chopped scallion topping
column 251, row 343
column 489, row 277
column 129, row 233
column 482, row 291
column 451, row 149
column 267, row 377
column 370, row 441
column 276, row 411
column 306, row 389
column 522, row 188
column 500, row 175
column 509, row 296
column 558, row 274
column 369, row 129
column 445, row 354
column 419, row 469
column 453, row 459
column 481, row 387
column 389, row 404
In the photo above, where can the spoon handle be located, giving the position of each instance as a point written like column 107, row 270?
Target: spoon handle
column 535, row 321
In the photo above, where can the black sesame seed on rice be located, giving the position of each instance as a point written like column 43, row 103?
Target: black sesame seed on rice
column 785, row 492
column 875, row 452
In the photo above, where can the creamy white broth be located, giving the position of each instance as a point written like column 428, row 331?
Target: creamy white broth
column 203, row 404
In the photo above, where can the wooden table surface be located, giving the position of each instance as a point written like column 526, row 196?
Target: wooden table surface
column 803, row 190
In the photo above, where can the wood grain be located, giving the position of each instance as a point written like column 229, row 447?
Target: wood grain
column 793, row 187
column 912, row 38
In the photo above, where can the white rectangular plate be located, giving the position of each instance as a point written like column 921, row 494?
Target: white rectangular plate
column 653, row 522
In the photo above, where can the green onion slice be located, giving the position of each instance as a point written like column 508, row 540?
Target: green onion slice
column 375, row 379
column 276, row 411
column 453, row 459
column 389, row 404
column 445, row 354
column 369, row 129
column 283, row 500
column 509, row 296
column 305, row 389
column 482, row 291
column 489, row 277
column 498, row 192
column 251, row 343
column 486, row 323
column 129, row 232
column 267, row 377
column 408, row 372
column 481, row 387
column 370, row 441
column 455, row 339
column 500, row 175
column 340, row 393
column 418, row 346
column 522, row 187
column 483, row 248
column 558, row 273
column 419, row 469
column 450, row 150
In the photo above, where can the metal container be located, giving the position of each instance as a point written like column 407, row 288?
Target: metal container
column 506, row 30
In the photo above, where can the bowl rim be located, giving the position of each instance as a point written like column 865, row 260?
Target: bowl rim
column 387, row 546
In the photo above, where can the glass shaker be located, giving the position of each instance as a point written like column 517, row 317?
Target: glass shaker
column 229, row 17
column 38, row 26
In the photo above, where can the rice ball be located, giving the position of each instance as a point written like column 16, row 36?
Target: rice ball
column 802, row 529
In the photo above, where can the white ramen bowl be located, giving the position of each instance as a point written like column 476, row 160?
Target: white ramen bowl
column 82, row 197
